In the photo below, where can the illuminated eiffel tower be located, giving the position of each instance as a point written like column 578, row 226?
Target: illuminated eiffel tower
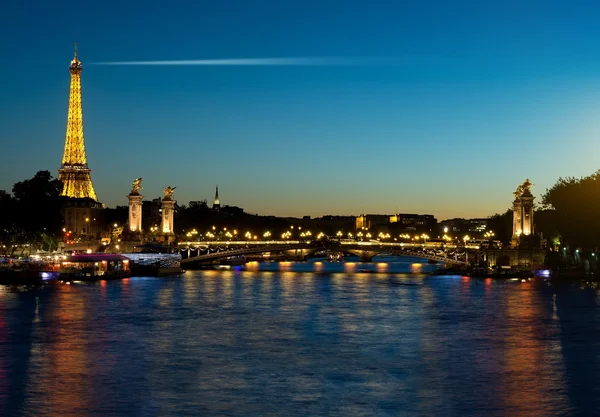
column 74, row 172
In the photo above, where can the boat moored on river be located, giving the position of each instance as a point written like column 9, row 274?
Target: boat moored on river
column 95, row 266
column 500, row 272
column 154, row 260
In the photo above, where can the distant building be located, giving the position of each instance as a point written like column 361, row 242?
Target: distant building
column 478, row 225
column 397, row 222
column 362, row 222
column 464, row 225
column 83, row 216
column 454, row 225
column 416, row 222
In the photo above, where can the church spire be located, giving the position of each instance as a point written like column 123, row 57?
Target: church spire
column 216, row 204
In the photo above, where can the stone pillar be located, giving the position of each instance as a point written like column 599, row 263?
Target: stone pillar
column 522, row 213
column 527, row 213
column 135, row 212
column 167, row 216
column 517, row 226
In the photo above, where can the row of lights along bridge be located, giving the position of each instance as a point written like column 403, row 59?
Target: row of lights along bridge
column 226, row 235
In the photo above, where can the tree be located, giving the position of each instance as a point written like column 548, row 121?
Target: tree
column 501, row 225
column 41, row 186
column 545, row 223
column 7, row 218
column 576, row 204
column 36, row 205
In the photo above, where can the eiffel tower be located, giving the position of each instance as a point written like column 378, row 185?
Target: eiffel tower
column 74, row 172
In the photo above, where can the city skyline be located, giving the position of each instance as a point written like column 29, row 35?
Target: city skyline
column 447, row 127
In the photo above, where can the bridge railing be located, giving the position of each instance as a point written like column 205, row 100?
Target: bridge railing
column 241, row 242
column 342, row 243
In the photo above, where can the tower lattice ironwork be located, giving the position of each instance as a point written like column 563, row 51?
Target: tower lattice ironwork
column 74, row 172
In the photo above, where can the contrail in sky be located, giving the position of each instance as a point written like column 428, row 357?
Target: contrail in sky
column 285, row 61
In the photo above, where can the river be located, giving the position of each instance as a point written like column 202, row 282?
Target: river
column 301, row 339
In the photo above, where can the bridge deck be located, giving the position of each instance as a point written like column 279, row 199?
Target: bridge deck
column 397, row 250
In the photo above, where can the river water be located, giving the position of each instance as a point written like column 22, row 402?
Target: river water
column 301, row 339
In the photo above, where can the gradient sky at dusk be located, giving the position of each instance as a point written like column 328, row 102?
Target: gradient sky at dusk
column 481, row 95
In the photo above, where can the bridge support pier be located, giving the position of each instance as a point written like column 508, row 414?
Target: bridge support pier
column 297, row 254
column 367, row 256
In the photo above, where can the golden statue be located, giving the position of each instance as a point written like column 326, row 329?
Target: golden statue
column 518, row 192
column 526, row 186
column 136, row 186
column 169, row 192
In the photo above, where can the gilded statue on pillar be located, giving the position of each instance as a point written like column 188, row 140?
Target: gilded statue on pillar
column 518, row 192
column 526, row 186
column 169, row 192
column 136, row 186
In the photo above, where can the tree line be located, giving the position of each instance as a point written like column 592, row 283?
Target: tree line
column 32, row 213
column 572, row 208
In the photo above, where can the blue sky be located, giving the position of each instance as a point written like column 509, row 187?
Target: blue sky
column 481, row 96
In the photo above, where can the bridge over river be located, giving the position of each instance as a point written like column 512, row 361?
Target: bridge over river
column 210, row 251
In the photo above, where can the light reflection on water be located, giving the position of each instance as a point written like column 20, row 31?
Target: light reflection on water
column 300, row 342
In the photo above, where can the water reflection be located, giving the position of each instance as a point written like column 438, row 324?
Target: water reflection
column 300, row 343
column 578, row 322
column 531, row 363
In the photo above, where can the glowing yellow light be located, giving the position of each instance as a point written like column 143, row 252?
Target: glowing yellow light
column 74, row 173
